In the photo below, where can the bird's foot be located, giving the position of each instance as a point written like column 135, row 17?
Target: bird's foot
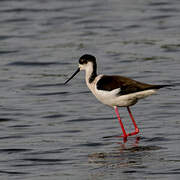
column 125, row 136
column 133, row 133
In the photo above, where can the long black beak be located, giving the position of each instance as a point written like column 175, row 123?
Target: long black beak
column 72, row 75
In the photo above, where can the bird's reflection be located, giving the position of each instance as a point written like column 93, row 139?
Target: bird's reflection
column 122, row 153
column 118, row 152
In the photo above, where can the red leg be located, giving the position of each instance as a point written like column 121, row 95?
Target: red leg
column 134, row 123
column 121, row 124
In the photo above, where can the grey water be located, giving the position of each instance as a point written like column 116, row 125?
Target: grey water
column 53, row 131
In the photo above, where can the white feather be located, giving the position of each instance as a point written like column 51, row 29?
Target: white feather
column 112, row 98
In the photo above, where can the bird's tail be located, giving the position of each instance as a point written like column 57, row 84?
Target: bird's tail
column 160, row 86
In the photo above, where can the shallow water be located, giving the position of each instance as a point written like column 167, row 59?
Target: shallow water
column 52, row 131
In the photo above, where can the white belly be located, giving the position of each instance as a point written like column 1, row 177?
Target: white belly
column 112, row 99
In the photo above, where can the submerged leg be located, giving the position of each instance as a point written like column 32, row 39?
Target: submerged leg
column 121, row 124
column 134, row 123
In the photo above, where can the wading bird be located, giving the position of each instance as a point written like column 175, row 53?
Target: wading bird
column 113, row 90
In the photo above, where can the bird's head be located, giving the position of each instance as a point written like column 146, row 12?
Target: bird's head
column 87, row 62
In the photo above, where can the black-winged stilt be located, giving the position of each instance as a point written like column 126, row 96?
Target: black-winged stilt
column 115, row 91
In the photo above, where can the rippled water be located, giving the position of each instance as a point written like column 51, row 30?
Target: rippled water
column 52, row 131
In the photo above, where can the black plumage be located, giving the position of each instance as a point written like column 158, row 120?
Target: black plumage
column 126, row 85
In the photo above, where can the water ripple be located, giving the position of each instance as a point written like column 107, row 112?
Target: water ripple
column 12, row 172
column 14, row 150
column 22, row 63
column 45, row 132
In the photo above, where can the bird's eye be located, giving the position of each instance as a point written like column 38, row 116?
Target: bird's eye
column 82, row 61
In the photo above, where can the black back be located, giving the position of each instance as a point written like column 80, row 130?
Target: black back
column 126, row 85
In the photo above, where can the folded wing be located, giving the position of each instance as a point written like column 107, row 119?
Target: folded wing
column 126, row 85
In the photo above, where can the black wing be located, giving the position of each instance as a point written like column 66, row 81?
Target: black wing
column 126, row 85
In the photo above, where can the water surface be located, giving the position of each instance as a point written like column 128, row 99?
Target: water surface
column 52, row 131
